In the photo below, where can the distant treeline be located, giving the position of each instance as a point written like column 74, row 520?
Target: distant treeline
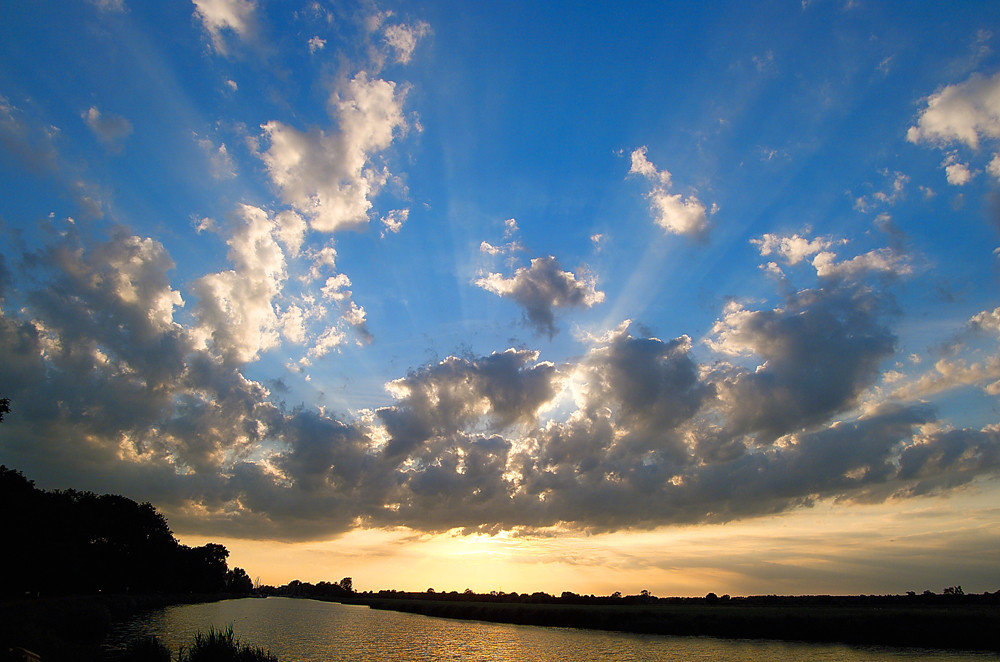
column 329, row 591
column 953, row 595
column 66, row 542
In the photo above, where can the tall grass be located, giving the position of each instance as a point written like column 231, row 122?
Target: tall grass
column 216, row 646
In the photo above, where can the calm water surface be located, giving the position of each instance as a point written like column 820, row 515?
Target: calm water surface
column 310, row 631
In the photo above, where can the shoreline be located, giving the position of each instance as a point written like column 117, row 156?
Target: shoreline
column 952, row 627
column 74, row 627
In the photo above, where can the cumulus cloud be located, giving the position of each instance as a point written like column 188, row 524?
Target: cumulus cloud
column 793, row 249
column 957, row 173
column 542, row 288
column 236, row 312
column 964, row 112
column 988, row 320
column 674, row 213
column 328, row 176
column 816, row 354
column 948, row 374
column 117, row 391
column 219, row 17
column 879, row 261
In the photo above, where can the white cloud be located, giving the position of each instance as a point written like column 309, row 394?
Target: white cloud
column 291, row 230
column 328, row 341
column 322, row 260
column 642, row 166
column 674, row 213
column 335, row 288
column 993, row 167
column 986, row 320
column 316, row 44
column 293, row 325
column 964, row 112
column 543, row 287
column 882, row 260
column 403, row 39
column 109, row 5
column 328, row 177
column 958, row 174
column 794, row 248
column 236, row 313
column 219, row 16
column 948, row 374
column 219, row 159
column 393, row 221
column 489, row 249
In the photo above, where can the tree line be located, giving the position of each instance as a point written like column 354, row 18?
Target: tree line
column 66, row 542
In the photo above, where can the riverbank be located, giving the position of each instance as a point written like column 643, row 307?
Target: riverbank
column 72, row 628
column 956, row 627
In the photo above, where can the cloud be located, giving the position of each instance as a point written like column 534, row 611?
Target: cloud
column 329, row 177
column 965, row 112
column 236, row 313
column 816, row 355
column 109, row 5
column 316, row 44
column 793, row 249
column 219, row 159
column 403, row 39
column 986, row 321
column 221, row 16
column 948, row 374
column 393, row 221
column 542, row 288
column 111, row 130
column 993, row 167
column 957, row 174
column 674, row 213
column 31, row 145
column 113, row 391
column 879, row 261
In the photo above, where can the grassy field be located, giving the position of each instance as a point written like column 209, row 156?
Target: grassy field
column 969, row 627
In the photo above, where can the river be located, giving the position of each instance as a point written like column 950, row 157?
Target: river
column 310, row 631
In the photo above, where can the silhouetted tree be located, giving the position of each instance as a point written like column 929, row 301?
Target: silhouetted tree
column 4, row 407
column 347, row 584
column 68, row 541
column 238, row 581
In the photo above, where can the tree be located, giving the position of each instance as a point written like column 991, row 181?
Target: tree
column 347, row 584
column 238, row 581
column 4, row 407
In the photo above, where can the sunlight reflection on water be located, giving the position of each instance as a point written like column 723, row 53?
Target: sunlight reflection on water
column 310, row 631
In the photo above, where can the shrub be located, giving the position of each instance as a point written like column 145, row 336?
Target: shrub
column 223, row 646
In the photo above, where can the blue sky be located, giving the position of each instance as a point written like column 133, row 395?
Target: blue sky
column 425, row 276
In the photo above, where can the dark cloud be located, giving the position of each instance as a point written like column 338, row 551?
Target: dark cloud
column 111, row 393
column 541, row 288
column 111, row 130
column 818, row 352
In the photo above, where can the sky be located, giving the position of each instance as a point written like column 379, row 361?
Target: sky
column 683, row 297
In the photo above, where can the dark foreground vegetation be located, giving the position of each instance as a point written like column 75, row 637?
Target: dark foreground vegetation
column 216, row 646
column 79, row 561
column 949, row 620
